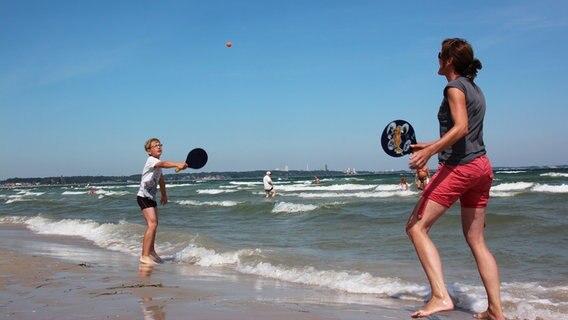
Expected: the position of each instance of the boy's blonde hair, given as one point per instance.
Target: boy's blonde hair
(148, 143)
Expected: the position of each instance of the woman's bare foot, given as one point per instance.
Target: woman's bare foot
(147, 260)
(156, 257)
(433, 306)
(482, 315)
(487, 315)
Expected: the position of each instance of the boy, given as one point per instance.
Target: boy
(146, 196)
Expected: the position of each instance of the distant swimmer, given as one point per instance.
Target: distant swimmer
(403, 184)
(268, 186)
(316, 180)
(422, 177)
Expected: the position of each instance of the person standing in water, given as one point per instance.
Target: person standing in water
(268, 186)
(464, 174)
(422, 177)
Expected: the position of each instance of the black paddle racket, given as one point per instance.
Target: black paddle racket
(196, 159)
(397, 137)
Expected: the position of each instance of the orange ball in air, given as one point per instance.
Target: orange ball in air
(229, 44)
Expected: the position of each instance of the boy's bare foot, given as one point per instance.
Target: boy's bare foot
(147, 260)
(433, 306)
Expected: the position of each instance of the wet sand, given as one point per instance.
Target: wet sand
(34, 286)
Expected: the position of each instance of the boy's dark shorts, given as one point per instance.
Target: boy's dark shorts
(145, 203)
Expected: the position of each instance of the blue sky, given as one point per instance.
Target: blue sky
(307, 83)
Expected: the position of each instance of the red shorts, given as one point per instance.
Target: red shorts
(470, 183)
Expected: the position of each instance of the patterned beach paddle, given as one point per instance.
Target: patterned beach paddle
(397, 137)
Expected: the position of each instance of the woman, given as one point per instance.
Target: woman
(464, 173)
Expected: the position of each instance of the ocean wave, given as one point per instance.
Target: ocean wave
(286, 207)
(363, 195)
(178, 185)
(13, 220)
(247, 261)
(246, 183)
(503, 194)
(512, 186)
(208, 203)
(22, 196)
(27, 193)
(16, 198)
(388, 187)
(210, 258)
(316, 187)
(555, 175)
(510, 171)
(107, 235)
(214, 191)
(531, 300)
(74, 193)
(550, 188)
(522, 300)
(363, 283)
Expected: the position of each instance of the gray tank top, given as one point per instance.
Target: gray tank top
(471, 146)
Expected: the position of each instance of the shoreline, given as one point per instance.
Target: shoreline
(39, 286)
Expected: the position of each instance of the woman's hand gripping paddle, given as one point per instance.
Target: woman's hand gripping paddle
(196, 159)
(397, 137)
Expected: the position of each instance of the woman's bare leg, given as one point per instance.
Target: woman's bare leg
(473, 225)
(417, 230)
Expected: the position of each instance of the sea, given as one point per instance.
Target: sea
(345, 234)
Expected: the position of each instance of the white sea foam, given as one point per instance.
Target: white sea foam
(12, 219)
(337, 280)
(108, 235)
(466, 296)
(511, 171)
(388, 187)
(178, 185)
(286, 207)
(523, 300)
(210, 258)
(208, 203)
(102, 192)
(214, 191)
(513, 186)
(555, 175)
(550, 188)
(23, 195)
(316, 187)
(502, 194)
(16, 198)
(532, 300)
(74, 193)
(27, 193)
(362, 195)
(246, 183)
(228, 187)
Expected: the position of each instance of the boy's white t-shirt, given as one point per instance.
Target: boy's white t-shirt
(150, 179)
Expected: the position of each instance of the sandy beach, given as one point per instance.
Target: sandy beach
(37, 286)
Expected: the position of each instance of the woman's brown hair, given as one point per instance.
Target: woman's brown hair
(462, 53)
